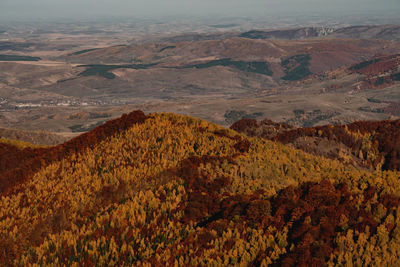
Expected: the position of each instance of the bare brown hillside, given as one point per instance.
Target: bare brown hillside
(33, 137)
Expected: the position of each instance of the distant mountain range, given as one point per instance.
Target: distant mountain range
(384, 32)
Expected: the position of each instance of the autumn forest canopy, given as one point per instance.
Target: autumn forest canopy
(164, 189)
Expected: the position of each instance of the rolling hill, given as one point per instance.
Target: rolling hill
(385, 32)
(303, 76)
(164, 189)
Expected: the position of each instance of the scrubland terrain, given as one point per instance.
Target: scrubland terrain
(305, 76)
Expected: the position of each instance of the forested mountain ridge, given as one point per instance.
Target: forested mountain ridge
(369, 144)
(163, 189)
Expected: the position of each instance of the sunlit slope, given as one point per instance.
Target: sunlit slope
(177, 190)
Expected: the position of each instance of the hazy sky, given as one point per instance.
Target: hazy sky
(16, 9)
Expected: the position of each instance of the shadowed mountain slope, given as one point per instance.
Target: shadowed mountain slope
(164, 189)
(33, 137)
(368, 144)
